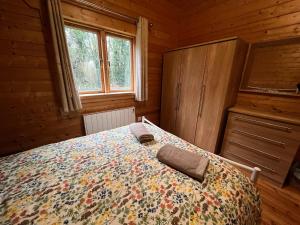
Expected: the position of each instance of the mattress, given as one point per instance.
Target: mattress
(110, 178)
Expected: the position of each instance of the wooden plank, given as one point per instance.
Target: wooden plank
(30, 104)
(193, 63)
(76, 13)
(17, 61)
(253, 20)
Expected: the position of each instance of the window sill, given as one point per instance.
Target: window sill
(103, 102)
(107, 95)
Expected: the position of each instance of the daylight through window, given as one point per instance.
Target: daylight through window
(101, 62)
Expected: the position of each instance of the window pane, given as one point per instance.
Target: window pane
(84, 55)
(119, 57)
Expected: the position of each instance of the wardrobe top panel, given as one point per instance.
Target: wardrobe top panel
(206, 43)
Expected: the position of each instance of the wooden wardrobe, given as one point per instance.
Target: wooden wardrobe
(199, 83)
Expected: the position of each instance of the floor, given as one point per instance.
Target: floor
(280, 206)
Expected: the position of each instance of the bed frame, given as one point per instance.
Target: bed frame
(255, 171)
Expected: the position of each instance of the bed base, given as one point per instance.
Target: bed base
(255, 171)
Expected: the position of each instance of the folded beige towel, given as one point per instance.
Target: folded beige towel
(141, 132)
(186, 162)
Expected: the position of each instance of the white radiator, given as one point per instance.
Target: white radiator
(97, 122)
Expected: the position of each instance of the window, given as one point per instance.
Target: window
(119, 61)
(101, 62)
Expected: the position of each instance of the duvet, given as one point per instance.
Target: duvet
(110, 178)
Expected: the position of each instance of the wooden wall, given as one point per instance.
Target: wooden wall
(29, 112)
(252, 20)
(162, 36)
(29, 107)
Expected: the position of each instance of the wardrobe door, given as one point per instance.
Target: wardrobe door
(217, 75)
(170, 86)
(192, 71)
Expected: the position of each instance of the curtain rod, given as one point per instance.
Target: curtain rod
(92, 6)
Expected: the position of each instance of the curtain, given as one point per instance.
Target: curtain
(141, 70)
(68, 93)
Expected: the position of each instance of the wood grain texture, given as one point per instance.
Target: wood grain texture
(205, 87)
(274, 66)
(277, 105)
(170, 90)
(253, 21)
(268, 144)
(162, 36)
(190, 83)
(221, 79)
(30, 110)
(280, 206)
(214, 93)
(95, 19)
(30, 113)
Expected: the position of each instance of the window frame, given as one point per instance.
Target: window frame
(87, 29)
(131, 62)
(103, 58)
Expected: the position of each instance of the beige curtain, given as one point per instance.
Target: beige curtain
(141, 70)
(68, 92)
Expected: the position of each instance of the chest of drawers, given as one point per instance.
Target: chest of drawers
(269, 144)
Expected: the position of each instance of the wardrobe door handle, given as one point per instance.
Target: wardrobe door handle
(178, 97)
(202, 100)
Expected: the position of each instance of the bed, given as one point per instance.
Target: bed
(110, 178)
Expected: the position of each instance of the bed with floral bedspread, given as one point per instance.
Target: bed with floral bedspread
(110, 178)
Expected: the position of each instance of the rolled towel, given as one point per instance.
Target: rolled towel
(141, 132)
(186, 162)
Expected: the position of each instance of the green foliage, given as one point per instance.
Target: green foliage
(119, 56)
(84, 55)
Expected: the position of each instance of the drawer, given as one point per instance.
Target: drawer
(273, 167)
(267, 128)
(267, 144)
(276, 178)
(263, 146)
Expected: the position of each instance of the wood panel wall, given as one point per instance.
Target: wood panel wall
(253, 21)
(29, 113)
(162, 36)
(29, 110)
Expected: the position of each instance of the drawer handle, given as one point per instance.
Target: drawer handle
(203, 89)
(258, 137)
(253, 163)
(264, 124)
(273, 157)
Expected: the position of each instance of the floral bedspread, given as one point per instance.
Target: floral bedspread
(110, 178)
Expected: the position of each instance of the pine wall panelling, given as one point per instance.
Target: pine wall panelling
(30, 114)
(29, 111)
(253, 21)
(29, 108)
(162, 36)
